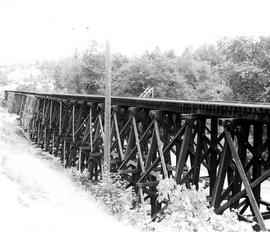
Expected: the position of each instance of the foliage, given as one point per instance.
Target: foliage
(245, 67)
(199, 72)
(3, 76)
(93, 69)
(114, 195)
(68, 75)
(248, 83)
(234, 69)
(117, 200)
(151, 70)
(188, 210)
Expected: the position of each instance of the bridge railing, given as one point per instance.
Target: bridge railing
(225, 144)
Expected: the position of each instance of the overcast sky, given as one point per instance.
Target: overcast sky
(43, 29)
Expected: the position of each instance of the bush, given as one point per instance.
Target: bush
(188, 210)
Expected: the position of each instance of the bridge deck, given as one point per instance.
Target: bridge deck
(251, 111)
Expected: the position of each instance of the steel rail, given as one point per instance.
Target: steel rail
(250, 111)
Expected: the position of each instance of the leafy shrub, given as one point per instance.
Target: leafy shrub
(114, 195)
(188, 210)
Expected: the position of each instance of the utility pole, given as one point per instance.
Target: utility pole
(107, 119)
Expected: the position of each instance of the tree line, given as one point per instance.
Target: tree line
(231, 69)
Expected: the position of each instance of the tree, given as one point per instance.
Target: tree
(208, 53)
(3, 76)
(68, 75)
(238, 50)
(246, 67)
(201, 72)
(93, 65)
(152, 69)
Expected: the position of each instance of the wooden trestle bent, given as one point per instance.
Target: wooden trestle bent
(226, 145)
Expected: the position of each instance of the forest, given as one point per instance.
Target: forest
(231, 69)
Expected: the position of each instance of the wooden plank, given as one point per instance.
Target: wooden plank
(147, 171)
(81, 125)
(132, 163)
(156, 175)
(129, 152)
(183, 153)
(101, 126)
(185, 179)
(151, 151)
(138, 145)
(160, 147)
(126, 171)
(174, 139)
(225, 193)
(223, 166)
(118, 137)
(148, 184)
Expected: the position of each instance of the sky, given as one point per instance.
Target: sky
(46, 29)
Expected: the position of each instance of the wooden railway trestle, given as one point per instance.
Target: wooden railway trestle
(226, 144)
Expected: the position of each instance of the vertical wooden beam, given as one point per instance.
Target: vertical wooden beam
(38, 133)
(73, 122)
(64, 153)
(80, 160)
(60, 119)
(50, 118)
(242, 153)
(213, 154)
(44, 138)
(53, 144)
(90, 129)
(257, 169)
(43, 111)
(199, 149)
(268, 145)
